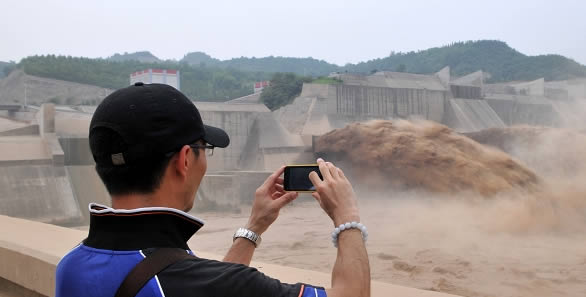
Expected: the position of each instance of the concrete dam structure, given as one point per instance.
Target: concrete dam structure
(46, 168)
(47, 172)
(34, 181)
(465, 104)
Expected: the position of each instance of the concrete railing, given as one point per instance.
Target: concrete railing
(30, 251)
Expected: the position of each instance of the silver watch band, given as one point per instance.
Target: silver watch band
(248, 234)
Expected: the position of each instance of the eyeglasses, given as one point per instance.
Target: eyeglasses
(210, 148)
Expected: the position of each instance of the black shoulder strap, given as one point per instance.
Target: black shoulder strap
(150, 266)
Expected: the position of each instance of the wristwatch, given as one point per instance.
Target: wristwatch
(248, 234)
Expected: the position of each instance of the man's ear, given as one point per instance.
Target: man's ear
(182, 162)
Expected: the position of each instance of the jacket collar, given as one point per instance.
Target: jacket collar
(140, 228)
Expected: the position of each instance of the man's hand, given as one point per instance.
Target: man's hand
(269, 198)
(351, 273)
(268, 201)
(335, 194)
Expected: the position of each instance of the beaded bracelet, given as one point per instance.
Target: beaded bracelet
(347, 226)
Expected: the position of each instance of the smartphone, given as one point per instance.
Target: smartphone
(297, 178)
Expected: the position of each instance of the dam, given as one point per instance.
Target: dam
(47, 177)
(45, 151)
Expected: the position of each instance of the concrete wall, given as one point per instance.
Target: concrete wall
(378, 102)
(467, 115)
(30, 252)
(21, 116)
(468, 92)
(46, 118)
(28, 130)
(238, 125)
(532, 88)
(77, 151)
(38, 192)
(87, 187)
(294, 115)
(577, 89)
(516, 112)
(228, 190)
(39, 90)
(218, 192)
(318, 90)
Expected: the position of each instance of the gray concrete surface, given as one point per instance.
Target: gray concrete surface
(39, 90)
(38, 192)
(465, 115)
(520, 109)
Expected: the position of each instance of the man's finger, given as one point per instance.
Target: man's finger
(314, 178)
(286, 199)
(273, 177)
(316, 196)
(323, 168)
(280, 180)
(333, 170)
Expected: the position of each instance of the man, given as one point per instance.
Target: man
(149, 145)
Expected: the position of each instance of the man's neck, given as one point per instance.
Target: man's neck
(132, 201)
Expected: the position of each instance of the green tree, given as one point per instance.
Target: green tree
(283, 89)
(6, 68)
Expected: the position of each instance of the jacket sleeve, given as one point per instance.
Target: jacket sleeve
(209, 278)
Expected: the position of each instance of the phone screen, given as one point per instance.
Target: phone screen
(297, 178)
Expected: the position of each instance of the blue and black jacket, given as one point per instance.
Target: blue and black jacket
(120, 239)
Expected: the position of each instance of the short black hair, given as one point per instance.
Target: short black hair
(142, 177)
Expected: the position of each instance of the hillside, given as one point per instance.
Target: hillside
(40, 90)
(200, 59)
(206, 78)
(199, 83)
(301, 66)
(495, 57)
(5, 67)
(144, 57)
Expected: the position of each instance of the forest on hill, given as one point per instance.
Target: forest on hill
(495, 57)
(300, 66)
(198, 83)
(208, 79)
(144, 57)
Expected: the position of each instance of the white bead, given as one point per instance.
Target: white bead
(346, 226)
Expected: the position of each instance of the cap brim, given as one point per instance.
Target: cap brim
(216, 136)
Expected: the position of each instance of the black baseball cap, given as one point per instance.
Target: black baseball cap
(152, 120)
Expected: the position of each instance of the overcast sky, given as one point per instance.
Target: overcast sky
(336, 31)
